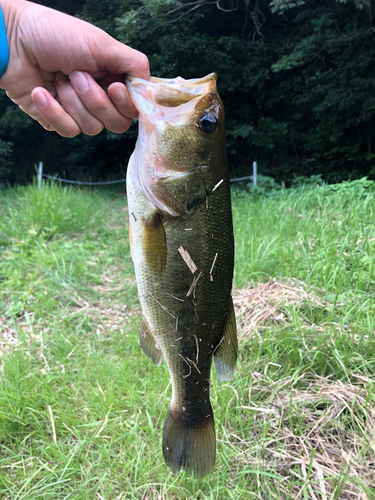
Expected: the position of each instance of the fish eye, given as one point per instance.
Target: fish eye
(207, 123)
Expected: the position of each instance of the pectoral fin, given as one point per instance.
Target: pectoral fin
(148, 344)
(225, 355)
(182, 194)
(154, 244)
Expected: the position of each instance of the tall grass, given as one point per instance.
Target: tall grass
(322, 236)
(82, 409)
(50, 209)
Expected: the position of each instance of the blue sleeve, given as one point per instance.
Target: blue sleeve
(4, 50)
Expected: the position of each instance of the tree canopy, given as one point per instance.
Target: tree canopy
(297, 80)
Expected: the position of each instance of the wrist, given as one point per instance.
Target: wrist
(11, 13)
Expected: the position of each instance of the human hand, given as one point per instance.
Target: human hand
(66, 73)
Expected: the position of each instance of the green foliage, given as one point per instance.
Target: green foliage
(296, 79)
(304, 181)
(266, 186)
(5, 150)
(291, 100)
(280, 6)
(103, 13)
(359, 188)
(331, 80)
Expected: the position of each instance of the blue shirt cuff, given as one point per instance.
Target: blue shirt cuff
(4, 50)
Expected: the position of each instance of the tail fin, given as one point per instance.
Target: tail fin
(189, 445)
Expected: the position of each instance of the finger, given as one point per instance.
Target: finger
(49, 112)
(47, 126)
(73, 105)
(119, 95)
(121, 59)
(97, 102)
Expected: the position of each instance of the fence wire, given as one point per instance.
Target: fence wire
(84, 183)
(52, 177)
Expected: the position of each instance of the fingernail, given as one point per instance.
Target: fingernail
(79, 81)
(39, 98)
(118, 94)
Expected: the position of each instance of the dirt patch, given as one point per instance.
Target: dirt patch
(315, 442)
(8, 336)
(108, 310)
(265, 303)
(320, 440)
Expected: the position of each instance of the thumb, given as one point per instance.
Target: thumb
(119, 59)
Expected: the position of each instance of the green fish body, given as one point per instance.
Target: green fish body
(183, 252)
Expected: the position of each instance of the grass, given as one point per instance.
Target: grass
(82, 409)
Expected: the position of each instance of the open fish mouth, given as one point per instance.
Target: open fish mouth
(158, 98)
(171, 92)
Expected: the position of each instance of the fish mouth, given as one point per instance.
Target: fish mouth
(159, 98)
(171, 92)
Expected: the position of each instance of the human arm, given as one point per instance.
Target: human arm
(68, 74)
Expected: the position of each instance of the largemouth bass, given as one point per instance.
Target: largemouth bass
(182, 246)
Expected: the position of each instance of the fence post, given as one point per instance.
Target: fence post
(255, 172)
(40, 173)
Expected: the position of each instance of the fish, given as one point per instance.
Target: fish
(182, 247)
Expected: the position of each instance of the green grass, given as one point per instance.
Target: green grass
(322, 237)
(82, 409)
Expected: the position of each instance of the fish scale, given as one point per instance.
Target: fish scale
(184, 264)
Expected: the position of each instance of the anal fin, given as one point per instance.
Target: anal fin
(225, 355)
(148, 344)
